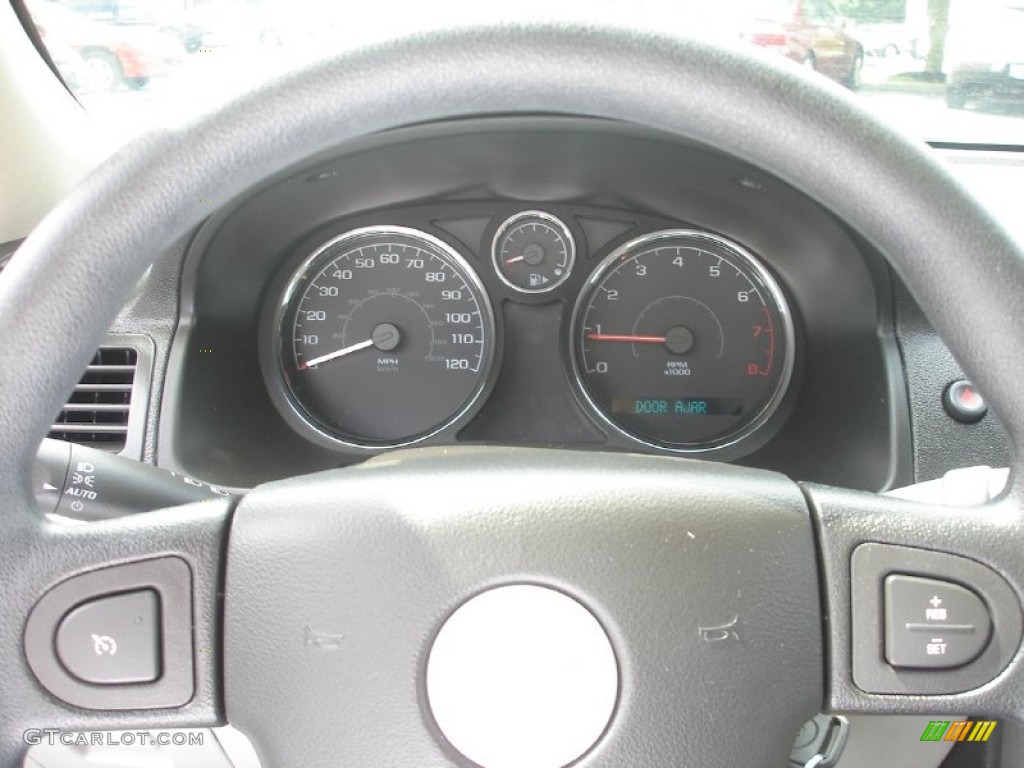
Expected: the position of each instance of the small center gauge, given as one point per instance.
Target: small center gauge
(533, 251)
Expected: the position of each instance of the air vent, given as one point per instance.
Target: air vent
(97, 412)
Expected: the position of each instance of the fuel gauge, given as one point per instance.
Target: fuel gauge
(533, 251)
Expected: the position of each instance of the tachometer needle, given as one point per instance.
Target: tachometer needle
(339, 353)
(627, 337)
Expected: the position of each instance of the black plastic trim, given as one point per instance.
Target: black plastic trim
(870, 564)
(171, 578)
(7, 250)
(846, 393)
(939, 443)
(32, 32)
(976, 147)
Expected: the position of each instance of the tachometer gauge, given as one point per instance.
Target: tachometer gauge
(682, 340)
(385, 337)
(533, 252)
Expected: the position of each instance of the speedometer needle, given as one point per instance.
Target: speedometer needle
(339, 353)
(627, 337)
(385, 337)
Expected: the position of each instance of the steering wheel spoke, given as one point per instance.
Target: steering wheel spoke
(924, 603)
(121, 626)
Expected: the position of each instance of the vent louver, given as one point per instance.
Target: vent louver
(96, 414)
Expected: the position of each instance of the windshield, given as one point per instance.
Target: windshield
(944, 70)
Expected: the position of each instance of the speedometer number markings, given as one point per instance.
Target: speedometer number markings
(391, 337)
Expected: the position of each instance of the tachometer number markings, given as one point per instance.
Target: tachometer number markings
(663, 341)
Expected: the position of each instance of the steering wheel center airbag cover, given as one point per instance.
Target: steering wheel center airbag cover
(703, 577)
(522, 675)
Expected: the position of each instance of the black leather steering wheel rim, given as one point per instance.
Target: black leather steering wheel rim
(70, 277)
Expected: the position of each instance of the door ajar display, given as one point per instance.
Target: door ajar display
(385, 336)
(682, 340)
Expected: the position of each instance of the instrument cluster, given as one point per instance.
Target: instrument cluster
(381, 335)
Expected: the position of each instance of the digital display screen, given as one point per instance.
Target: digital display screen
(677, 406)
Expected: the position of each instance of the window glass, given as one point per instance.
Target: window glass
(947, 70)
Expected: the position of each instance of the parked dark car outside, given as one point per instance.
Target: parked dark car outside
(983, 54)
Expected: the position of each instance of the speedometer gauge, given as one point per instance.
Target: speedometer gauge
(682, 340)
(385, 337)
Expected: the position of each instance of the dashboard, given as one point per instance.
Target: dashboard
(533, 281)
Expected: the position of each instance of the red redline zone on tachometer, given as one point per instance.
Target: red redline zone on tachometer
(663, 347)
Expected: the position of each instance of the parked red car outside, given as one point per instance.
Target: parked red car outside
(113, 54)
(811, 32)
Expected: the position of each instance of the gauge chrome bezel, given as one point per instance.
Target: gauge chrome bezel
(288, 403)
(759, 270)
(547, 218)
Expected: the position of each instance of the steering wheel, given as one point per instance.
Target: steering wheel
(732, 603)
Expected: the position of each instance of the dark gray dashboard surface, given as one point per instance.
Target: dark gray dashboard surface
(940, 443)
(843, 422)
(931, 444)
